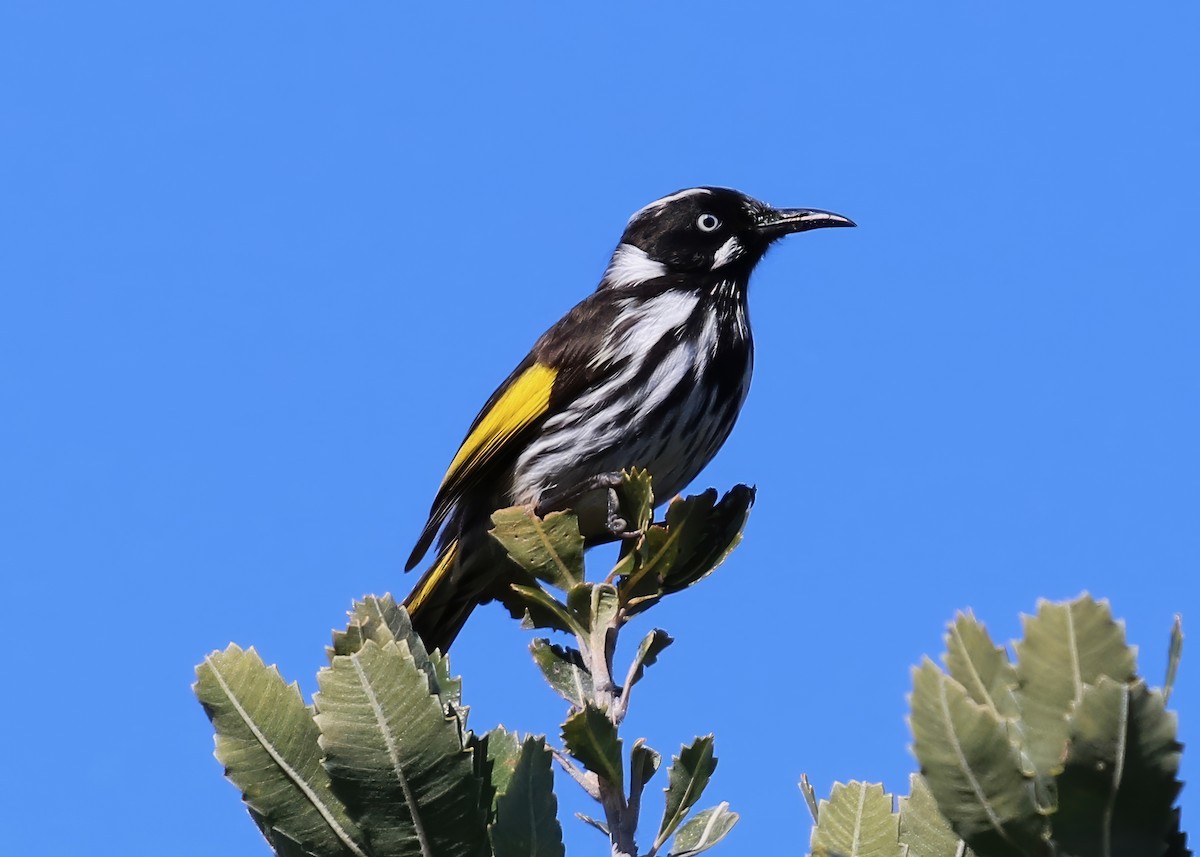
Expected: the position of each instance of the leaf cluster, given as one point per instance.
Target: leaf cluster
(1065, 751)
(656, 560)
(382, 762)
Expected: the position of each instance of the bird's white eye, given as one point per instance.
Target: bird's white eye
(708, 223)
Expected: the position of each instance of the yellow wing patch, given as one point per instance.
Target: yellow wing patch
(526, 399)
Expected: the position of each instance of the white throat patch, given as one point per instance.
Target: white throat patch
(728, 252)
(630, 265)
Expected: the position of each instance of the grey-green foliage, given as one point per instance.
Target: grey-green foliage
(658, 560)
(382, 763)
(1065, 752)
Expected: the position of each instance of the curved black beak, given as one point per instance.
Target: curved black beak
(777, 222)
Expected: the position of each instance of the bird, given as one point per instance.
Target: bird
(650, 371)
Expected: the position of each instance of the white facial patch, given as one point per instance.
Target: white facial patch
(630, 265)
(659, 204)
(728, 252)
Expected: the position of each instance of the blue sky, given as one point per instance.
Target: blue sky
(261, 265)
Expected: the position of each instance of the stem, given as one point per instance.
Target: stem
(619, 813)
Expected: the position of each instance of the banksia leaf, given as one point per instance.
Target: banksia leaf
(972, 770)
(856, 821)
(643, 763)
(267, 741)
(923, 830)
(980, 666)
(703, 830)
(383, 620)
(1118, 784)
(526, 822)
(592, 739)
(698, 534)
(720, 533)
(592, 606)
(550, 548)
(564, 670)
(687, 777)
(647, 654)
(636, 497)
(1066, 647)
(543, 610)
(499, 750)
(396, 759)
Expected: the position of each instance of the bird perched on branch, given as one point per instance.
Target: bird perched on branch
(648, 371)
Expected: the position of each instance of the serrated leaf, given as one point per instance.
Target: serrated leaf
(703, 830)
(381, 619)
(564, 670)
(592, 739)
(643, 763)
(980, 666)
(922, 828)
(279, 842)
(687, 777)
(699, 534)
(647, 654)
(396, 759)
(499, 749)
(526, 822)
(856, 821)
(543, 610)
(972, 770)
(1118, 783)
(267, 741)
(1066, 647)
(721, 533)
(550, 548)
(635, 496)
(1176, 838)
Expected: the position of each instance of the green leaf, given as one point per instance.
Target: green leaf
(699, 533)
(564, 670)
(396, 759)
(687, 777)
(647, 654)
(980, 666)
(857, 821)
(499, 749)
(1066, 647)
(381, 619)
(550, 548)
(542, 610)
(721, 532)
(1118, 783)
(1174, 652)
(643, 763)
(267, 741)
(922, 828)
(635, 496)
(526, 822)
(592, 739)
(605, 605)
(971, 768)
(704, 830)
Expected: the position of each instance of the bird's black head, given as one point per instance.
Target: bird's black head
(705, 229)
